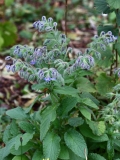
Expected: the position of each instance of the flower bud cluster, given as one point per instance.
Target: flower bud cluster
(45, 24)
(49, 75)
(48, 63)
(84, 61)
(103, 40)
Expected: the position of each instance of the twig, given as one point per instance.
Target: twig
(66, 7)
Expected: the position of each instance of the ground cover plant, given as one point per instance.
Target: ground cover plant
(78, 118)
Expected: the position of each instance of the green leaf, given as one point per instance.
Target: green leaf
(17, 113)
(75, 121)
(26, 137)
(117, 45)
(89, 102)
(47, 116)
(26, 126)
(37, 155)
(6, 134)
(106, 57)
(90, 96)
(9, 35)
(114, 4)
(4, 152)
(98, 128)
(107, 28)
(94, 156)
(51, 146)
(104, 84)
(73, 156)
(102, 6)
(85, 112)
(64, 154)
(23, 157)
(1, 41)
(75, 141)
(110, 149)
(66, 105)
(14, 130)
(67, 90)
(24, 148)
(8, 2)
(87, 132)
(84, 85)
(38, 87)
(26, 34)
(118, 17)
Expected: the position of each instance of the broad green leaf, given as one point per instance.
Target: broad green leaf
(14, 130)
(94, 156)
(117, 45)
(1, 41)
(87, 132)
(73, 156)
(102, 6)
(8, 2)
(104, 84)
(17, 113)
(75, 141)
(66, 105)
(38, 87)
(26, 126)
(118, 17)
(107, 28)
(37, 155)
(84, 85)
(26, 34)
(51, 146)
(64, 154)
(9, 35)
(75, 121)
(85, 112)
(6, 134)
(24, 148)
(101, 127)
(88, 102)
(17, 141)
(4, 152)
(106, 57)
(23, 157)
(117, 143)
(114, 4)
(110, 149)
(26, 137)
(67, 90)
(90, 96)
(47, 116)
(98, 128)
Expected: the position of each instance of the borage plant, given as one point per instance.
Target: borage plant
(71, 122)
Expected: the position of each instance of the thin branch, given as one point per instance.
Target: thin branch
(66, 7)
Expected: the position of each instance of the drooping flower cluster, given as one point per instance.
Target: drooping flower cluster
(84, 61)
(45, 24)
(103, 40)
(51, 61)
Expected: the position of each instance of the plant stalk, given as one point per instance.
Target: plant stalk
(66, 8)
